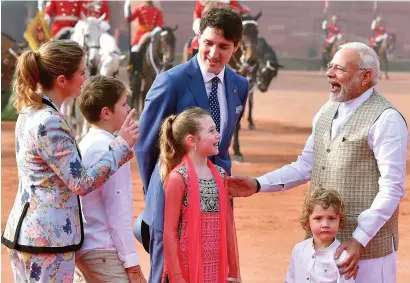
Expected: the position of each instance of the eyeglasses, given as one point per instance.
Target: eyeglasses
(340, 69)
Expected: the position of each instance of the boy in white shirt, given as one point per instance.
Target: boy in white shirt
(108, 253)
(313, 261)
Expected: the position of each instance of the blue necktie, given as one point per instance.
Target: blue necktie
(214, 104)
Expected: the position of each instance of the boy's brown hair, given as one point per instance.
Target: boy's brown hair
(326, 198)
(98, 92)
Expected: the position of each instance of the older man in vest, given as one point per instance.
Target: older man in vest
(358, 146)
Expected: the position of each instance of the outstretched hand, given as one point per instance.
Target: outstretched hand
(241, 186)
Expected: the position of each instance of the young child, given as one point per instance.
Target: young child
(199, 232)
(323, 214)
(108, 252)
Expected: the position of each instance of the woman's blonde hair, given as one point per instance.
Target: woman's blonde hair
(174, 129)
(54, 58)
(326, 198)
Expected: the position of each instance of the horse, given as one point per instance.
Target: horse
(102, 56)
(385, 51)
(268, 65)
(328, 52)
(10, 52)
(158, 54)
(245, 62)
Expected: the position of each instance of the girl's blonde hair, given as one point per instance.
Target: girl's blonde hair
(174, 129)
(54, 58)
(326, 198)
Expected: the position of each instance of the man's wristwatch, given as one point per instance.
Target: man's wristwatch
(231, 279)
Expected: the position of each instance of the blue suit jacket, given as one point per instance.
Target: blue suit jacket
(172, 92)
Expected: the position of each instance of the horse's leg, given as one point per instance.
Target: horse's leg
(250, 107)
(185, 53)
(135, 82)
(236, 150)
(322, 61)
(148, 81)
(386, 67)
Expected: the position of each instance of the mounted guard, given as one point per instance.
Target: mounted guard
(332, 32)
(150, 19)
(62, 15)
(379, 33)
(333, 35)
(96, 9)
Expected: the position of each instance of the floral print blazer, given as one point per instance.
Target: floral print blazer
(46, 215)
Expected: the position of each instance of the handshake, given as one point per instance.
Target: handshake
(242, 186)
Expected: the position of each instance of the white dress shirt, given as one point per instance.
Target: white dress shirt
(388, 139)
(107, 212)
(221, 91)
(311, 266)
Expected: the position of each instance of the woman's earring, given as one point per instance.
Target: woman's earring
(195, 146)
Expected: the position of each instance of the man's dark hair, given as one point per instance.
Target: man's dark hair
(225, 20)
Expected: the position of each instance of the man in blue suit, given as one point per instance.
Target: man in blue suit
(205, 81)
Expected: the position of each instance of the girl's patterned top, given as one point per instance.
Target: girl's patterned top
(210, 226)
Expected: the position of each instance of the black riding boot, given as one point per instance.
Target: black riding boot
(376, 47)
(135, 62)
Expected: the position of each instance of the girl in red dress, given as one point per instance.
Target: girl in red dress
(199, 231)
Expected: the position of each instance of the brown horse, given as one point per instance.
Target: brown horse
(328, 52)
(10, 51)
(158, 56)
(385, 51)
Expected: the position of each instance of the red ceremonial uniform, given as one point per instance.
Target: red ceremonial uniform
(63, 13)
(332, 30)
(149, 17)
(202, 7)
(96, 9)
(199, 7)
(378, 31)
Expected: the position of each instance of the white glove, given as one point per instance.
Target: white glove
(127, 6)
(373, 26)
(195, 26)
(155, 30)
(324, 25)
(40, 4)
(47, 19)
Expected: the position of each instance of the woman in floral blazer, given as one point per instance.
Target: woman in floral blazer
(45, 227)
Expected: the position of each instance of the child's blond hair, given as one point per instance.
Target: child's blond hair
(326, 198)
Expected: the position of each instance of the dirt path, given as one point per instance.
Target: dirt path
(267, 224)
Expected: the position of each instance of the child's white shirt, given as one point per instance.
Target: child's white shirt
(310, 266)
(107, 212)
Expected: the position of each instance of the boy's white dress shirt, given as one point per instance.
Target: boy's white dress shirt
(107, 212)
(310, 266)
